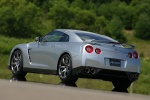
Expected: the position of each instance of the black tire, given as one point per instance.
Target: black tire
(16, 64)
(65, 69)
(121, 84)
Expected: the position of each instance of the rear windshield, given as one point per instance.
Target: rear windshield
(94, 36)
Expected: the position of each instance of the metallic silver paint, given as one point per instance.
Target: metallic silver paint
(45, 55)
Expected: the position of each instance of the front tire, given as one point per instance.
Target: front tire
(16, 64)
(65, 69)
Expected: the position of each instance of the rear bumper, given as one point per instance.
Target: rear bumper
(104, 74)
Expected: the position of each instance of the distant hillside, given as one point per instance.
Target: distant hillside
(29, 18)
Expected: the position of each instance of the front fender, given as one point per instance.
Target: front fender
(24, 50)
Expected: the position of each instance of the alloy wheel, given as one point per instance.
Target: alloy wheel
(16, 62)
(64, 66)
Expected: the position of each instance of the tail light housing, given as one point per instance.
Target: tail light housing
(89, 49)
(130, 55)
(135, 55)
(98, 51)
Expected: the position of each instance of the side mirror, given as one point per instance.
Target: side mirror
(37, 39)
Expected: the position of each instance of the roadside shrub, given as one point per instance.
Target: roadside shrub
(142, 27)
(114, 29)
(83, 19)
(60, 15)
(139, 7)
(19, 19)
(100, 24)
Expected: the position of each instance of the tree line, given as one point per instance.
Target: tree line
(30, 18)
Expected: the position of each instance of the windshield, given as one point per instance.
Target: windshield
(95, 37)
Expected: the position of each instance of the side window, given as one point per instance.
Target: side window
(64, 38)
(55, 36)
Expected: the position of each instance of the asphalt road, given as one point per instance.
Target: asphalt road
(38, 91)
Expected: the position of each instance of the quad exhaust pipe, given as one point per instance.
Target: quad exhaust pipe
(132, 76)
(93, 71)
(89, 70)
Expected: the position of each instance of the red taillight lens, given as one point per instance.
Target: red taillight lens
(135, 55)
(98, 51)
(89, 49)
(130, 55)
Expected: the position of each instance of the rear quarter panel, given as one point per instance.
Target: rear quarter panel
(75, 50)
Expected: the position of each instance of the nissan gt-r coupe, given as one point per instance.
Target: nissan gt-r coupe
(73, 54)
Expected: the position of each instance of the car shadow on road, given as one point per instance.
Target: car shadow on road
(17, 78)
(62, 84)
(120, 90)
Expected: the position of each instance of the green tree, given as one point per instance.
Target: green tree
(114, 29)
(117, 8)
(60, 14)
(83, 19)
(142, 27)
(125, 12)
(139, 7)
(100, 24)
(19, 19)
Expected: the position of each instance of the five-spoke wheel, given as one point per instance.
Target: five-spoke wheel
(16, 64)
(65, 69)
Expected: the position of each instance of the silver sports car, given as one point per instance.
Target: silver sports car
(73, 54)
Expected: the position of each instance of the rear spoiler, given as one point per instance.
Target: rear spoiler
(97, 42)
(125, 45)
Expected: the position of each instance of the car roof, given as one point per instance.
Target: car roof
(71, 31)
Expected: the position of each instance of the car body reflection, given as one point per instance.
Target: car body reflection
(120, 90)
(67, 84)
(17, 78)
(61, 84)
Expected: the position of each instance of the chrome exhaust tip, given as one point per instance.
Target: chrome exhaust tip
(87, 70)
(132, 77)
(93, 71)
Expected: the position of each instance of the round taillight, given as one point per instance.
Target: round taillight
(130, 55)
(98, 51)
(135, 55)
(89, 49)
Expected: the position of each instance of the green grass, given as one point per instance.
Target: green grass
(4, 72)
(141, 86)
(7, 43)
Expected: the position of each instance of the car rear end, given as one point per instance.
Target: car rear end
(109, 61)
(105, 59)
